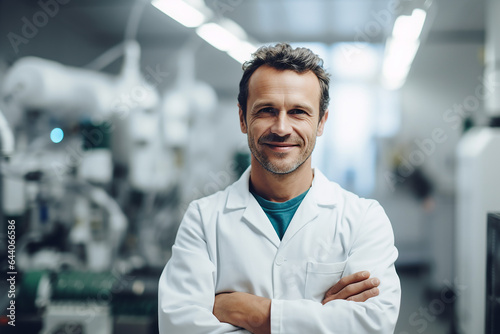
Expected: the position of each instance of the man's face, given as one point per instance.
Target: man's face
(282, 119)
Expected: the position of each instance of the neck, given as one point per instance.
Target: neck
(280, 187)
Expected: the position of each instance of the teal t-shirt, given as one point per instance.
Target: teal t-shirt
(280, 214)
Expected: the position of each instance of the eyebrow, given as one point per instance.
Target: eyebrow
(263, 104)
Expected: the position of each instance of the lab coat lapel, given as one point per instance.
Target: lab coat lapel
(323, 193)
(239, 197)
(307, 212)
(255, 216)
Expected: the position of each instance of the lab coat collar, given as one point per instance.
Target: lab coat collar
(239, 197)
(239, 192)
(322, 193)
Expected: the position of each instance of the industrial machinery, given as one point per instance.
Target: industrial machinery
(58, 184)
(70, 301)
(90, 170)
(90, 167)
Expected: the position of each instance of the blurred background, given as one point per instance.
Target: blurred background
(115, 114)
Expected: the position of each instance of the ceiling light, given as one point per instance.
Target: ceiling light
(409, 27)
(398, 58)
(217, 36)
(181, 11)
(226, 35)
(401, 48)
(242, 52)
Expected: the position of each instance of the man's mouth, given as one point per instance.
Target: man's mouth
(280, 146)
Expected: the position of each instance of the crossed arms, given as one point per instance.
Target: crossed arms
(253, 312)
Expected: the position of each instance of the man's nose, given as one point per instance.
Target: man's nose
(281, 124)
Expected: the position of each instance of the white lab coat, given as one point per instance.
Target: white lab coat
(226, 243)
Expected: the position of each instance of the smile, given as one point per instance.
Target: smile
(281, 147)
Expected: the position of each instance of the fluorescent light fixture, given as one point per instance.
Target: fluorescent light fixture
(227, 36)
(401, 48)
(230, 38)
(242, 52)
(399, 55)
(218, 36)
(181, 11)
(409, 27)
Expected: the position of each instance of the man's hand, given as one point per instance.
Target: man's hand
(357, 287)
(253, 312)
(244, 310)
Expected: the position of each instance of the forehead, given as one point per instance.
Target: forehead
(268, 81)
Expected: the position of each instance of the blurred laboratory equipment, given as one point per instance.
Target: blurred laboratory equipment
(478, 190)
(91, 168)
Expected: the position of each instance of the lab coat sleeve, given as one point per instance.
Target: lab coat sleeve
(186, 287)
(373, 250)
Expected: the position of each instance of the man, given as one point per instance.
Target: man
(282, 250)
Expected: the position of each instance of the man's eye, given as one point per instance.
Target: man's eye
(297, 111)
(266, 110)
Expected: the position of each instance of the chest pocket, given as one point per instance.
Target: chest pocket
(320, 277)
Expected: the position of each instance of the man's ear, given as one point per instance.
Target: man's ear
(243, 122)
(321, 125)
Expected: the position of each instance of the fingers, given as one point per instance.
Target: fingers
(356, 288)
(345, 281)
(361, 297)
(356, 291)
(364, 296)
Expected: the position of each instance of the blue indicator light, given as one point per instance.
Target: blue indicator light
(56, 135)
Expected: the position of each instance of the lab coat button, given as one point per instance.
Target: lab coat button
(280, 260)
